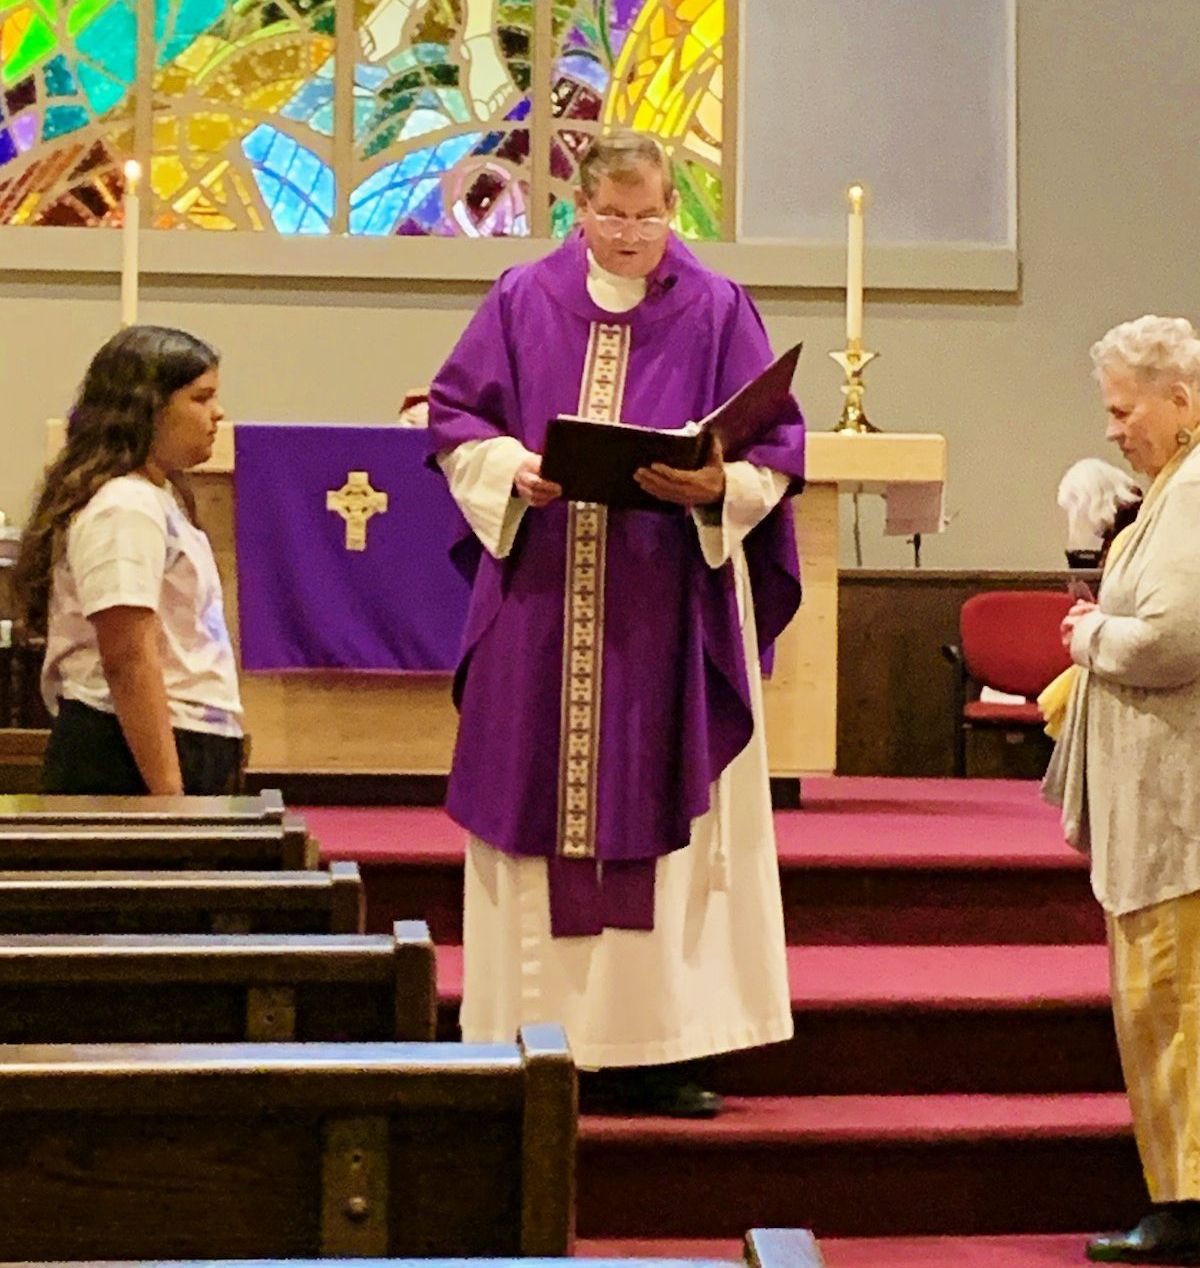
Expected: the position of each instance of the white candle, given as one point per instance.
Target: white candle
(129, 245)
(854, 265)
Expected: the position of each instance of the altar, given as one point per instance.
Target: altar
(340, 723)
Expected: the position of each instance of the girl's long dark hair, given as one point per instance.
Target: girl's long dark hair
(109, 434)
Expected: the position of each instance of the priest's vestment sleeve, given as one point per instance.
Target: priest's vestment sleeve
(751, 493)
(481, 474)
(474, 395)
(743, 353)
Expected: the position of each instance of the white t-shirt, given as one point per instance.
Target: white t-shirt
(133, 546)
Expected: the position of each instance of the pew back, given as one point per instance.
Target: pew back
(128, 844)
(90, 833)
(182, 902)
(285, 1151)
(152, 988)
(34, 810)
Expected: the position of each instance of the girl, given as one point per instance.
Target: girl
(139, 672)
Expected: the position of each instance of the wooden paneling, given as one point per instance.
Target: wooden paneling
(896, 691)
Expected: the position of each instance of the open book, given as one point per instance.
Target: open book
(595, 461)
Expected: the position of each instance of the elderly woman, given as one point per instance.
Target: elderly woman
(1125, 770)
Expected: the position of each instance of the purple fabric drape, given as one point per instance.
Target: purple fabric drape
(307, 602)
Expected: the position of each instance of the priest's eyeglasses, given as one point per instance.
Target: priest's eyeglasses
(648, 228)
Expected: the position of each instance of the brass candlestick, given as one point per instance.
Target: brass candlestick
(853, 360)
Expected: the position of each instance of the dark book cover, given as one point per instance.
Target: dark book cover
(595, 461)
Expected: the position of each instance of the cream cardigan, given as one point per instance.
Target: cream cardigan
(1126, 769)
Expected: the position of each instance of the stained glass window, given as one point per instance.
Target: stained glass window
(243, 115)
(65, 123)
(651, 65)
(441, 132)
(243, 111)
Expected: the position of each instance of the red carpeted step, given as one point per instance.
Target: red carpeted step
(1052, 1251)
(941, 869)
(867, 861)
(920, 1019)
(864, 1167)
(830, 1120)
(928, 861)
(1062, 1250)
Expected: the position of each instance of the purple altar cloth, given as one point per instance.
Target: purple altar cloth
(305, 601)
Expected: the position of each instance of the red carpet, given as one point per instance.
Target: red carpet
(894, 1119)
(867, 861)
(953, 1058)
(893, 1252)
(845, 821)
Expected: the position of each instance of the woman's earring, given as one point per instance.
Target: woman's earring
(1183, 437)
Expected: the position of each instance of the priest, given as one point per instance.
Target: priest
(611, 765)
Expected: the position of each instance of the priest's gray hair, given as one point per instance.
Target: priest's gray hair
(1159, 350)
(620, 155)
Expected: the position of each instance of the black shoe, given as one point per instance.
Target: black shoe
(1163, 1237)
(657, 1090)
(690, 1100)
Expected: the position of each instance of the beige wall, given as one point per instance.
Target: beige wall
(1109, 193)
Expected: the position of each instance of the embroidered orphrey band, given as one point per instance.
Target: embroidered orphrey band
(600, 395)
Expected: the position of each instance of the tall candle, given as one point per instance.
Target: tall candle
(854, 265)
(129, 245)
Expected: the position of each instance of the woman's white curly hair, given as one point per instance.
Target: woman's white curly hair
(1159, 350)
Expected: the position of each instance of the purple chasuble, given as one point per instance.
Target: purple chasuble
(674, 707)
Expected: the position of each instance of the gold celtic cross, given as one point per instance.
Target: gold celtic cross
(356, 502)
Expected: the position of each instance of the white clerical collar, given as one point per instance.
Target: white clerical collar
(611, 291)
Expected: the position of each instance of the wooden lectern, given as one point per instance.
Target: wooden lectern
(328, 723)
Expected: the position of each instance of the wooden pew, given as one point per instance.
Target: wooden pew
(287, 1150)
(21, 753)
(763, 1248)
(247, 812)
(127, 843)
(250, 833)
(182, 902)
(218, 988)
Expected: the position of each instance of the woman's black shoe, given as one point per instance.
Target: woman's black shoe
(1165, 1236)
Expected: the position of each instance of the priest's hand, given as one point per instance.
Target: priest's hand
(1072, 619)
(529, 485)
(686, 488)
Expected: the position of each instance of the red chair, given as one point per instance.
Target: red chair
(1010, 642)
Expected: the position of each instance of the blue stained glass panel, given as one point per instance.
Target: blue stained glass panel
(405, 188)
(296, 186)
(187, 19)
(109, 45)
(61, 120)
